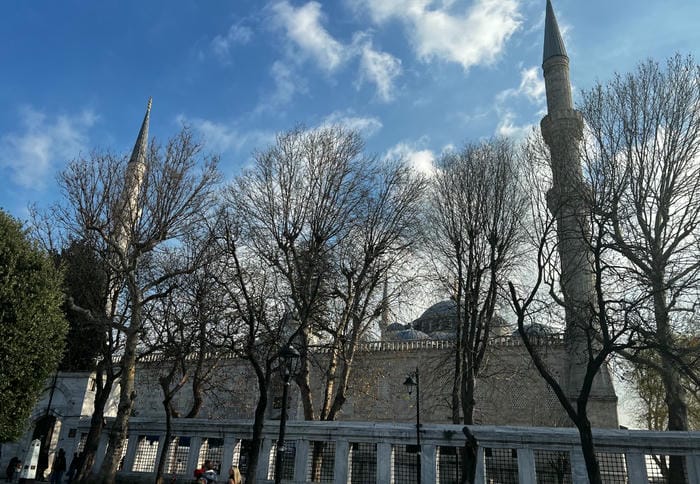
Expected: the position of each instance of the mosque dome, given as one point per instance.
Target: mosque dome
(440, 321)
(441, 316)
(393, 327)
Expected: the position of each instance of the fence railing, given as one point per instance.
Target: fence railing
(365, 453)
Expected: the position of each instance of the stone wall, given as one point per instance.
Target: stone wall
(509, 391)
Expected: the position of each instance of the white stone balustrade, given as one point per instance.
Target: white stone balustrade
(513, 451)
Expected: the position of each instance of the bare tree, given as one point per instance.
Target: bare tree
(257, 319)
(326, 226)
(133, 211)
(644, 143)
(475, 230)
(179, 342)
(608, 328)
(299, 203)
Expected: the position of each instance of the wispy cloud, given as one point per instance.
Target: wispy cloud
(287, 83)
(530, 89)
(379, 68)
(226, 137)
(367, 126)
(237, 34)
(471, 37)
(30, 154)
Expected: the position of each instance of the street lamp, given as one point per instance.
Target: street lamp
(413, 380)
(288, 365)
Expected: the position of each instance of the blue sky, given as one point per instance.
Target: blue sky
(415, 76)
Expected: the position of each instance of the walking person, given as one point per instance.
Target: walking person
(59, 467)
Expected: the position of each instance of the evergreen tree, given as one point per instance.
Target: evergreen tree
(32, 326)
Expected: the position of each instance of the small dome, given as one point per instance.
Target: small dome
(408, 334)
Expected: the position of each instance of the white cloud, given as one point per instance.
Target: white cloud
(507, 127)
(532, 89)
(303, 26)
(367, 126)
(222, 137)
(472, 37)
(237, 34)
(29, 155)
(380, 68)
(422, 160)
(531, 86)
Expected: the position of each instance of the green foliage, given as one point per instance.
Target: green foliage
(86, 284)
(32, 326)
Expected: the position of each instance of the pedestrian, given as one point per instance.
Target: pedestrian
(73, 467)
(59, 467)
(11, 467)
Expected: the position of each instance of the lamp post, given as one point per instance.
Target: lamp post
(413, 380)
(288, 365)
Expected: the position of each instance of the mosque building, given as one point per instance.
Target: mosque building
(509, 389)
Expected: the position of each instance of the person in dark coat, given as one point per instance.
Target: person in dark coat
(11, 468)
(73, 467)
(59, 467)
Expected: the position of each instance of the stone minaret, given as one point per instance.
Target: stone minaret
(562, 129)
(128, 211)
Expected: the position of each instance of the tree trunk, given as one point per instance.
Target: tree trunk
(673, 389)
(457, 380)
(588, 449)
(127, 395)
(167, 406)
(87, 460)
(468, 401)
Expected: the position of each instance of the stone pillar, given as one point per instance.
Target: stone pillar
(227, 454)
(636, 468)
(340, 466)
(480, 474)
(131, 452)
(427, 464)
(384, 470)
(264, 460)
(526, 466)
(692, 463)
(579, 475)
(193, 455)
(161, 448)
(301, 457)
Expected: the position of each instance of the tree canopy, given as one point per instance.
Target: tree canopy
(32, 326)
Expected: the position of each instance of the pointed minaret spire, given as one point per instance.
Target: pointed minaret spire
(555, 64)
(553, 43)
(138, 155)
(128, 211)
